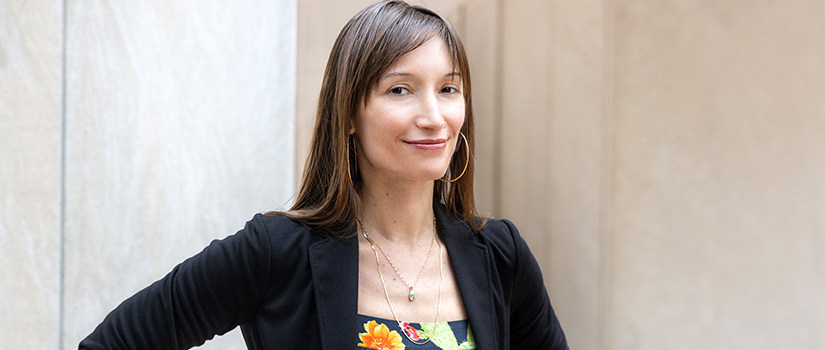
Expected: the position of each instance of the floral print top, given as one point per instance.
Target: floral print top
(381, 333)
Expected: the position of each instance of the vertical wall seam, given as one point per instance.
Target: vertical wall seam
(62, 242)
(549, 121)
(298, 158)
(498, 109)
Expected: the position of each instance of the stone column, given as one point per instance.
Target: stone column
(132, 135)
(31, 35)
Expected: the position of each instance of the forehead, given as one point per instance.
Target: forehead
(432, 55)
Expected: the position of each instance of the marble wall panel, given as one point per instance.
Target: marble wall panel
(718, 199)
(180, 126)
(30, 153)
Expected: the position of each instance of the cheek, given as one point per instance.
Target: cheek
(376, 128)
(454, 114)
(385, 122)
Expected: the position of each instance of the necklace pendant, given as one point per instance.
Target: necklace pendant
(412, 294)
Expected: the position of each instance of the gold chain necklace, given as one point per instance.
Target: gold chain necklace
(384, 285)
(411, 295)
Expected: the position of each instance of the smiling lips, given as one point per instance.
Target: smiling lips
(428, 144)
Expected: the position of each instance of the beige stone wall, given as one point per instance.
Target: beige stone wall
(152, 129)
(679, 202)
(551, 145)
(717, 176)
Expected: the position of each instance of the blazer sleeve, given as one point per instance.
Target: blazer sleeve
(533, 323)
(208, 294)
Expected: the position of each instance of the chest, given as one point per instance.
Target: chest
(332, 294)
(385, 287)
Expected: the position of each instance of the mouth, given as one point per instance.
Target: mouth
(428, 144)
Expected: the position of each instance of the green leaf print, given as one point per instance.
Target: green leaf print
(442, 336)
(470, 343)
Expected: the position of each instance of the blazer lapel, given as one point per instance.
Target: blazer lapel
(334, 264)
(471, 266)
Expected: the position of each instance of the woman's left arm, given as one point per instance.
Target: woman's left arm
(533, 323)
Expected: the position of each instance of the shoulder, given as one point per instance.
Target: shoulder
(279, 244)
(276, 223)
(280, 228)
(502, 236)
(510, 250)
(274, 237)
(261, 238)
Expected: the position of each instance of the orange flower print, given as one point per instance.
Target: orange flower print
(379, 336)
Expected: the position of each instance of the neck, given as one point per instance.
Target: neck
(402, 214)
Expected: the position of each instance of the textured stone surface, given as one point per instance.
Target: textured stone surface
(573, 256)
(551, 150)
(719, 200)
(30, 129)
(180, 126)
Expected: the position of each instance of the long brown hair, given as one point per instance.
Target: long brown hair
(368, 45)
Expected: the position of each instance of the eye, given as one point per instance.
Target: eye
(449, 89)
(399, 90)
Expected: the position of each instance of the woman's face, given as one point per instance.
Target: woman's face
(408, 125)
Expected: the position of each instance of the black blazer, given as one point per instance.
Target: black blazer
(290, 287)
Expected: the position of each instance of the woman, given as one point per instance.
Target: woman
(383, 248)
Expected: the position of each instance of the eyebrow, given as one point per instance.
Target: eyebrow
(403, 74)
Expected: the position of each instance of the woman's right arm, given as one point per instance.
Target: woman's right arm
(208, 294)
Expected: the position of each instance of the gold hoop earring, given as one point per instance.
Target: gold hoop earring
(350, 148)
(467, 151)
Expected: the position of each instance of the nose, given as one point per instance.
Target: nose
(430, 115)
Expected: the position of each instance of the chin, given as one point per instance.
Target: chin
(431, 175)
